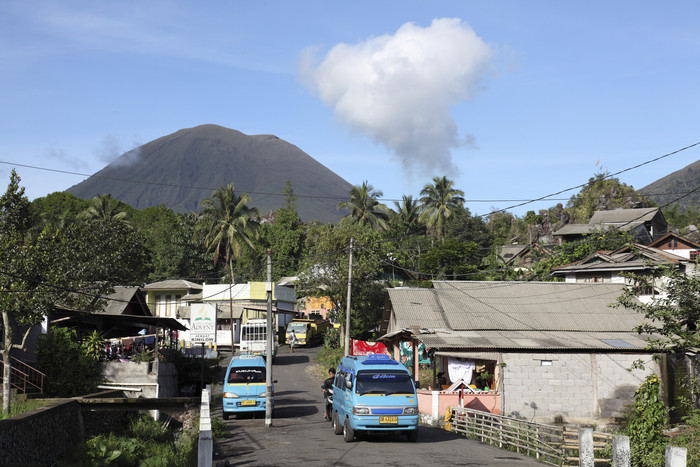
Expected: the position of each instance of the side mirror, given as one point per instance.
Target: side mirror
(417, 384)
(348, 384)
(274, 381)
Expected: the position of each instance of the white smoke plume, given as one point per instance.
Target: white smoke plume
(110, 151)
(398, 89)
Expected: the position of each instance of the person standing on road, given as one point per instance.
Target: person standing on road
(292, 341)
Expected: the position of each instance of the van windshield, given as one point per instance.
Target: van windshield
(384, 382)
(241, 375)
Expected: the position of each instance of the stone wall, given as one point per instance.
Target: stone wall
(46, 434)
(583, 389)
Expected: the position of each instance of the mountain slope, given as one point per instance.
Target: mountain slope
(182, 168)
(673, 186)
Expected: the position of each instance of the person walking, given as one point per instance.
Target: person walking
(292, 341)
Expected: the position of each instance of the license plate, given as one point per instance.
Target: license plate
(392, 420)
(253, 403)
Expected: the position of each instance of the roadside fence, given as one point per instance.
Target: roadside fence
(554, 445)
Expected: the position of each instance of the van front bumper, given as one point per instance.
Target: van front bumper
(381, 423)
(238, 405)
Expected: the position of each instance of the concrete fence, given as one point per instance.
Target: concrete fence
(206, 441)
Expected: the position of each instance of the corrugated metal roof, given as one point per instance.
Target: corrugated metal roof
(623, 215)
(533, 340)
(417, 306)
(512, 306)
(173, 284)
(118, 302)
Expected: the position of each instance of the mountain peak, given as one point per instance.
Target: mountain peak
(181, 169)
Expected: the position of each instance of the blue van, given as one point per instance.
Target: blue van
(245, 385)
(374, 393)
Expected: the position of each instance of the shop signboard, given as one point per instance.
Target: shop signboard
(203, 324)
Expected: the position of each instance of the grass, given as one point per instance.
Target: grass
(20, 405)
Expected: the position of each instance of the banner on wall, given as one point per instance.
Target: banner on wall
(365, 348)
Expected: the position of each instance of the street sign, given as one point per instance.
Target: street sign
(203, 324)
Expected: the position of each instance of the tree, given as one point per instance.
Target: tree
(365, 209)
(105, 208)
(226, 223)
(57, 209)
(451, 260)
(324, 272)
(603, 194)
(170, 239)
(285, 237)
(75, 267)
(438, 202)
(407, 216)
(289, 198)
(672, 316)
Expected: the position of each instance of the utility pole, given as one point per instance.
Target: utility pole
(347, 309)
(230, 305)
(268, 358)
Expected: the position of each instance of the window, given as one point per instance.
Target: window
(694, 254)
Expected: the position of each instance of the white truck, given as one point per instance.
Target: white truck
(254, 338)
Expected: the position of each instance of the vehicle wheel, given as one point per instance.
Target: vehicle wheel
(337, 427)
(225, 416)
(412, 435)
(348, 432)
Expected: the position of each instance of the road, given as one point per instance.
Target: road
(300, 436)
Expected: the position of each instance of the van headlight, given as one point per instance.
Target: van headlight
(230, 395)
(360, 410)
(410, 411)
(264, 394)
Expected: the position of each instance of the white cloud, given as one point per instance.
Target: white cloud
(398, 89)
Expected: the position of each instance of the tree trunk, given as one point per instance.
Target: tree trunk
(6, 364)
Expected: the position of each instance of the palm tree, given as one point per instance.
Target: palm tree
(364, 207)
(438, 202)
(104, 208)
(226, 223)
(407, 213)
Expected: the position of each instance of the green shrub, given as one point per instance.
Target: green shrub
(645, 423)
(69, 371)
(330, 357)
(147, 442)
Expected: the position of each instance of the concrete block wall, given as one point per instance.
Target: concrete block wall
(149, 379)
(585, 389)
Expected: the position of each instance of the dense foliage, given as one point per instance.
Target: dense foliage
(146, 442)
(645, 424)
(70, 369)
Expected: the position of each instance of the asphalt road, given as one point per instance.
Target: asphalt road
(300, 436)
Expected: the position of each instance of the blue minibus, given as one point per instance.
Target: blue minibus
(245, 385)
(371, 394)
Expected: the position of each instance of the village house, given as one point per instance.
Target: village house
(549, 352)
(645, 224)
(235, 304)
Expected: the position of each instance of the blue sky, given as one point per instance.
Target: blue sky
(513, 100)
